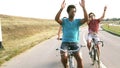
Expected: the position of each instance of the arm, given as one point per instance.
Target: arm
(82, 4)
(57, 17)
(103, 13)
(59, 32)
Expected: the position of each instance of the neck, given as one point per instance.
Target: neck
(91, 19)
(71, 18)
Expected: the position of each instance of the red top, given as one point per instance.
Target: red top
(93, 25)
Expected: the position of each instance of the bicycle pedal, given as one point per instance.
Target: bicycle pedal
(93, 63)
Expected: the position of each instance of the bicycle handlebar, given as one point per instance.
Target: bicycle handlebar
(59, 39)
(102, 43)
(69, 51)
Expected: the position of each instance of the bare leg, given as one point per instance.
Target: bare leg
(64, 59)
(88, 44)
(98, 49)
(79, 60)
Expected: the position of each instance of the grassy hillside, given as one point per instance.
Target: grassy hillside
(20, 34)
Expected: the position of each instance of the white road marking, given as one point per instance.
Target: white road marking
(102, 65)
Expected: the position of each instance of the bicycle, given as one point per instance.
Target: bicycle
(95, 53)
(70, 54)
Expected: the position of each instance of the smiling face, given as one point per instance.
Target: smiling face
(71, 11)
(91, 15)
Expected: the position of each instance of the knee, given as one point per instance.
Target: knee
(78, 57)
(88, 42)
(63, 58)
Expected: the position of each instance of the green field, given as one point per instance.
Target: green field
(114, 29)
(20, 34)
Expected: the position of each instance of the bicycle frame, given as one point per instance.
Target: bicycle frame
(95, 53)
(70, 56)
(71, 60)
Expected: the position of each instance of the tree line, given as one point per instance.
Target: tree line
(112, 19)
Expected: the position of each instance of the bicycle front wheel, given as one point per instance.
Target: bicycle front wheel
(71, 62)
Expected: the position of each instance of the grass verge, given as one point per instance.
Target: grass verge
(20, 34)
(113, 29)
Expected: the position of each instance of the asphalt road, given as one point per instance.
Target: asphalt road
(44, 55)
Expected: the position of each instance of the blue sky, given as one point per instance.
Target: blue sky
(48, 8)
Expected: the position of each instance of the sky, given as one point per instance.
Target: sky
(47, 9)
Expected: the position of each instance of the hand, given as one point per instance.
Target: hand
(105, 8)
(63, 5)
(58, 38)
(82, 4)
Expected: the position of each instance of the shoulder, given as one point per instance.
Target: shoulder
(78, 21)
(64, 20)
(98, 20)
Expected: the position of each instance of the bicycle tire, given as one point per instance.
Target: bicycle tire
(95, 51)
(93, 55)
(71, 62)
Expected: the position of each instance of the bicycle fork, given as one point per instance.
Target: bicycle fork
(71, 61)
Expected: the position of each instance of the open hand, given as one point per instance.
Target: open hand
(63, 4)
(82, 4)
(105, 8)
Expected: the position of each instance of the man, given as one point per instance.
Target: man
(93, 26)
(70, 29)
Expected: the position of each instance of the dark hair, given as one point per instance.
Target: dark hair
(69, 8)
(91, 13)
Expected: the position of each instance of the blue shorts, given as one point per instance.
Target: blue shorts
(69, 46)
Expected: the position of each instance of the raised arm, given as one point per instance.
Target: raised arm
(103, 15)
(57, 17)
(82, 4)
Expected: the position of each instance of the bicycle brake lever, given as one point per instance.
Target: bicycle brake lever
(57, 49)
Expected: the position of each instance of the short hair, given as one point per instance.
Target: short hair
(69, 8)
(91, 13)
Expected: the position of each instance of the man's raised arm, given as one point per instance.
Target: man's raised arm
(82, 4)
(103, 13)
(57, 17)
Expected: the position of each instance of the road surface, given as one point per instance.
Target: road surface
(44, 55)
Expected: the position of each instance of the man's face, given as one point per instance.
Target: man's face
(72, 12)
(92, 16)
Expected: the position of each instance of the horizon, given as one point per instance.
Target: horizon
(45, 18)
